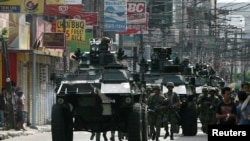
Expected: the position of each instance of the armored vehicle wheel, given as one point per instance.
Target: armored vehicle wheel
(144, 123)
(61, 124)
(189, 119)
(135, 123)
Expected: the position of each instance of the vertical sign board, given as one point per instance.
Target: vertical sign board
(55, 40)
(115, 17)
(137, 18)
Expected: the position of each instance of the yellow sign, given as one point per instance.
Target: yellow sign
(74, 29)
(32, 6)
(22, 6)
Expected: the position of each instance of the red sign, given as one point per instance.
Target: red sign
(137, 28)
(73, 11)
(136, 7)
(91, 18)
(60, 10)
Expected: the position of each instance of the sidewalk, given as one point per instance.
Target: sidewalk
(6, 134)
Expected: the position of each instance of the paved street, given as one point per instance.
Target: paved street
(43, 134)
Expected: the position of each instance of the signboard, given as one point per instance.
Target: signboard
(59, 10)
(74, 29)
(54, 40)
(137, 28)
(73, 11)
(91, 18)
(22, 6)
(137, 18)
(115, 17)
(56, 2)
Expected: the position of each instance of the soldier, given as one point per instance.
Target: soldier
(148, 93)
(171, 110)
(214, 102)
(203, 104)
(98, 136)
(155, 112)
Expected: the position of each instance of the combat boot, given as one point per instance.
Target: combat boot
(157, 138)
(166, 135)
(172, 136)
(153, 136)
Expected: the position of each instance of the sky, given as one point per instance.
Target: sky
(230, 1)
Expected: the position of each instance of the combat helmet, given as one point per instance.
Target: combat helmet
(170, 84)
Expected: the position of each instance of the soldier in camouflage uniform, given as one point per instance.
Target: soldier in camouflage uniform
(203, 103)
(155, 112)
(212, 109)
(171, 111)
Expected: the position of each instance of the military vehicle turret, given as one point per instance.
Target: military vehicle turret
(99, 95)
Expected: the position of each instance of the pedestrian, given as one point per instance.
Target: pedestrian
(20, 109)
(155, 112)
(203, 104)
(171, 111)
(240, 118)
(226, 109)
(2, 106)
(245, 86)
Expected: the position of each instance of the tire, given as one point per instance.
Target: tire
(61, 124)
(189, 119)
(135, 123)
(144, 123)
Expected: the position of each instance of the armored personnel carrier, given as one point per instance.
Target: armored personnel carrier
(162, 69)
(99, 95)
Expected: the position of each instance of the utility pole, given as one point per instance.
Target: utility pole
(65, 49)
(182, 29)
(34, 71)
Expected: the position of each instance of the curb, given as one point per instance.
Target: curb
(7, 134)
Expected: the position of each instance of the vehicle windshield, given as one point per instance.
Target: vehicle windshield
(199, 81)
(94, 74)
(177, 80)
(111, 76)
(151, 78)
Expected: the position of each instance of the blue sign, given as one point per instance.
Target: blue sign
(115, 15)
(10, 8)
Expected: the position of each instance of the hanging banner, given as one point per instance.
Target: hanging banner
(115, 17)
(58, 2)
(22, 6)
(74, 30)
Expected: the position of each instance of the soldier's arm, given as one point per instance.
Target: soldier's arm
(176, 103)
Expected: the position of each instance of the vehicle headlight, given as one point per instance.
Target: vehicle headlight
(60, 100)
(128, 100)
